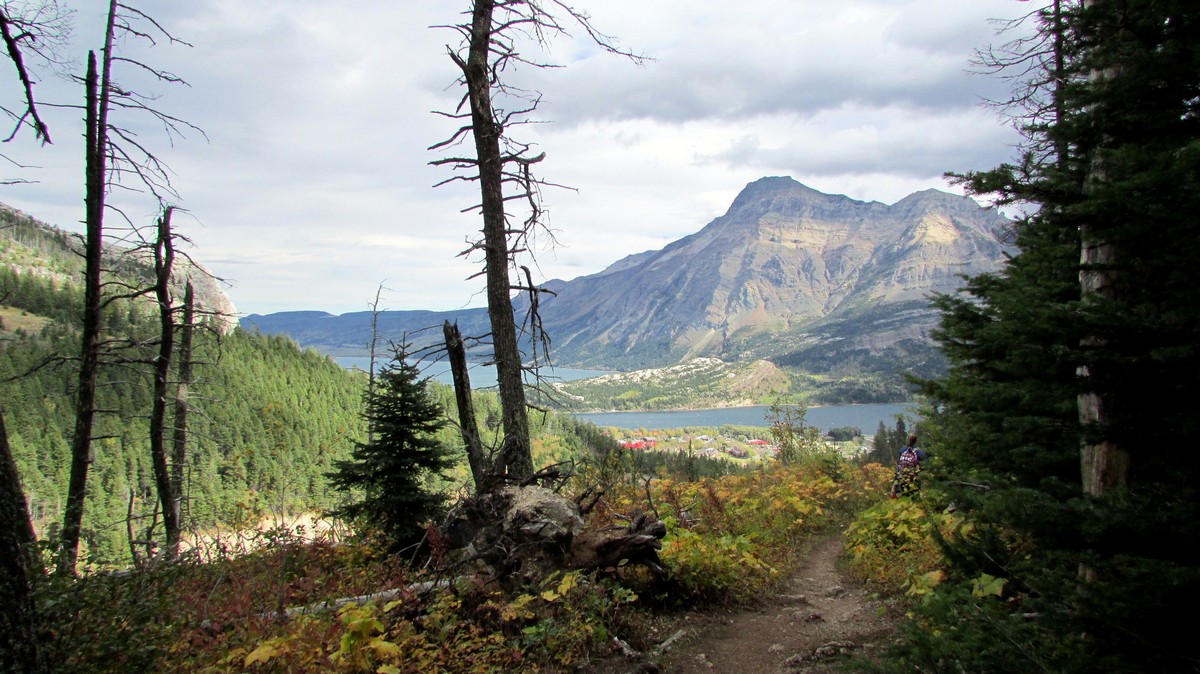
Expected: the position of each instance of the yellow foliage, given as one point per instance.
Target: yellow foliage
(891, 546)
(988, 586)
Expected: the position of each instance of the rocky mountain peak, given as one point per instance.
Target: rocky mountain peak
(783, 255)
(787, 274)
(782, 194)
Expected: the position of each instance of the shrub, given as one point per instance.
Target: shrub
(892, 546)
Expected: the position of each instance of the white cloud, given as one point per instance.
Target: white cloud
(314, 185)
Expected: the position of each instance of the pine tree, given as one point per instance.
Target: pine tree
(1102, 304)
(387, 475)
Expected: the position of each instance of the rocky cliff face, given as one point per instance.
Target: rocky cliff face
(783, 258)
(57, 254)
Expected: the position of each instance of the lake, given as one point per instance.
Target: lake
(482, 376)
(864, 417)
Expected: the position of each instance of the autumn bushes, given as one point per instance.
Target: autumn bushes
(892, 546)
(194, 616)
(730, 539)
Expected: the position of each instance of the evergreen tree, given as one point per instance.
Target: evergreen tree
(1103, 304)
(388, 474)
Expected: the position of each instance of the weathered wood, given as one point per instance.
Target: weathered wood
(606, 549)
(522, 534)
(467, 425)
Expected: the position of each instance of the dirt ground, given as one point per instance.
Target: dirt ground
(820, 620)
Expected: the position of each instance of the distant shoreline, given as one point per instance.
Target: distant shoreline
(864, 416)
(740, 407)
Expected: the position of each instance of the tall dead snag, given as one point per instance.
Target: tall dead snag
(373, 347)
(502, 168)
(468, 427)
(96, 122)
(515, 457)
(517, 530)
(18, 560)
(164, 261)
(179, 440)
(113, 154)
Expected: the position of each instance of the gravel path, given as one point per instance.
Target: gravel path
(821, 618)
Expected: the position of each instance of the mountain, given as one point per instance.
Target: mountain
(810, 281)
(785, 261)
(30, 246)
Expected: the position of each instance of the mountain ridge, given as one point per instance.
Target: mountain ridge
(45, 250)
(782, 255)
(815, 282)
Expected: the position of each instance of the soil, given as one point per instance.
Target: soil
(820, 620)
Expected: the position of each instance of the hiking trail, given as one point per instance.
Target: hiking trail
(819, 619)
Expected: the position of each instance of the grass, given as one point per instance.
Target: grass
(12, 320)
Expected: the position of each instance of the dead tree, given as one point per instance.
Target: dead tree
(89, 359)
(179, 440)
(114, 156)
(467, 425)
(373, 347)
(515, 529)
(503, 169)
(164, 262)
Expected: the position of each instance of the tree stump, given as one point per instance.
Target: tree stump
(521, 534)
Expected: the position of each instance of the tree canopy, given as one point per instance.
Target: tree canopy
(1064, 416)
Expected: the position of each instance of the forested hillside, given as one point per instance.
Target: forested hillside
(269, 421)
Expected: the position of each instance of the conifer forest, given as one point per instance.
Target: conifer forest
(179, 494)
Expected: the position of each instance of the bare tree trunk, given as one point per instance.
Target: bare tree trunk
(515, 460)
(89, 358)
(18, 560)
(371, 365)
(1104, 464)
(488, 47)
(129, 534)
(106, 162)
(179, 441)
(164, 260)
(467, 425)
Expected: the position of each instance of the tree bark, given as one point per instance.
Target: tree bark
(18, 560)
(466, 408)
(1104, 465)
(515, 460)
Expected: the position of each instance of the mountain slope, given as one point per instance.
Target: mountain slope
(810, 281)
(783, 260)
(30, 246)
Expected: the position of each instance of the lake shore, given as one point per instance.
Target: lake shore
(866, 417)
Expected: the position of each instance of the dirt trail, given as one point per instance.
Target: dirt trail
(821, 618)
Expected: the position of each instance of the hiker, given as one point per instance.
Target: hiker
(908, 465)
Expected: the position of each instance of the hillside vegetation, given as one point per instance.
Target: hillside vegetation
(270, 420)
(701, 382)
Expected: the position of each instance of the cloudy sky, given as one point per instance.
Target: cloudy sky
(313, 185)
